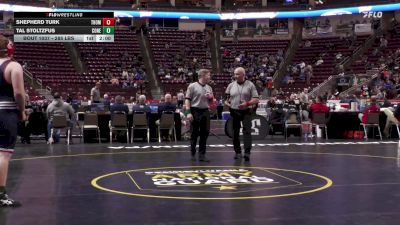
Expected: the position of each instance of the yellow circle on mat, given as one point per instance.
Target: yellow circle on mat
(328, 183)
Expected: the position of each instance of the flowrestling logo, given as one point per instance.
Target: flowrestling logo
(374, 15)
(211, 182)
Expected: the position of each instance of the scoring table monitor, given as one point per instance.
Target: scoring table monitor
(64, 26)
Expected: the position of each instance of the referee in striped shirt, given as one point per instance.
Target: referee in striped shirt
(198, 96)
(241, 96)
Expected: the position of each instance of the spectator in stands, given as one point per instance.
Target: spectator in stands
(274, 92)
(95, 93)
(308, 72)
(119, 105)
(380, 95)
(383, 43)
(339, 56)
(59, 107)
(307, 44)
(319, 61)
(107, 73)
(269, 87)
(125, 84)
(114, 82)
(25, 65)
(124, 74)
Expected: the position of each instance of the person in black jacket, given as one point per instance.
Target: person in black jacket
(167, 105)
(141, 105)
(119, 105)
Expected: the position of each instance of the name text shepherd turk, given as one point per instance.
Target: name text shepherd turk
(65, 15)
(29, 22)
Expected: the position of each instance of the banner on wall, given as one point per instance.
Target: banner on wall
(282, 31)
(324, 30)
(363, 28)
(320, 31)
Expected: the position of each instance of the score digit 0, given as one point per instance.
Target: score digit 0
(108, 21)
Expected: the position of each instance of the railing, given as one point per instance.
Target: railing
(323, 86)
(356, 53)
(288, 55)
(361, 49)
(356, 86)
(375, 74)
(36, 83)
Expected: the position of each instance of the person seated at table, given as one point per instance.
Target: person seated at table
(167, 105)
(372, 108)
(391, 118)
(106, 101)
(318, 107)
(59, 107)
(141, 105)
(119, 105)
(386, 103)
(164, 107)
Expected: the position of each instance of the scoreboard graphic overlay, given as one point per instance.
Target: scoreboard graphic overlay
(64, 26)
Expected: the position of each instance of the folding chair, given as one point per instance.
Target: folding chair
(167, 122)
(60, 122)
(291, 123)
(119, 122)
(372, 121)
(398, 130)
(321, 119)
(277, 122)
(90, 122)
(139, 122)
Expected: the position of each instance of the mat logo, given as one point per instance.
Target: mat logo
(205, 177)
(211, 182)
(208, 179)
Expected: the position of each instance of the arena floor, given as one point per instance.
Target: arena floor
(335, 182)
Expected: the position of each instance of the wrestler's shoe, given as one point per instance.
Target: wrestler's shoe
(6, 201)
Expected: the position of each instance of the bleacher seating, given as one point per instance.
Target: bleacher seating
(124, 52)
(187, 44)
(372, 60)
(51, 63)
(250, 47)
(309, 55)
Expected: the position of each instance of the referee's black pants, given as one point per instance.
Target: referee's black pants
(200, 127)
(241, 116)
